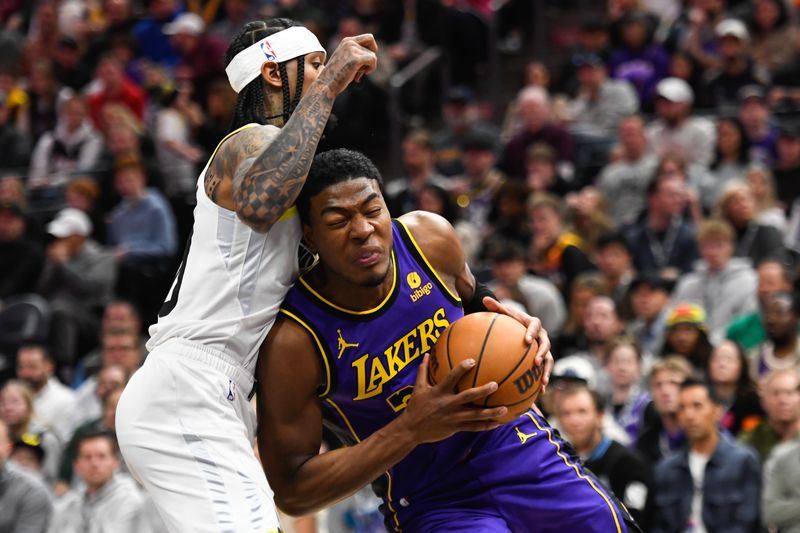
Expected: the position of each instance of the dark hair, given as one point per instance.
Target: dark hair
(597, 399)
(251, 101)
(743, 157)
(449, 207)
(783, 19)
(38, 347)
(610, 238)
(698, 357)
(692, 381)
(330, 168)
(97, 434)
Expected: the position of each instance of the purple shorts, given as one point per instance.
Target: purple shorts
(519, 479)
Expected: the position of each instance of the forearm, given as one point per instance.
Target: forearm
(332, 476)
(267, 184)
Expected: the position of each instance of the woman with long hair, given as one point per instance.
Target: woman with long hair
(729, 376)
(731, 160)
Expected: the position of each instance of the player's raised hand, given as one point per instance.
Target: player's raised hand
(535, 331)
(352, 59)
(436, 412)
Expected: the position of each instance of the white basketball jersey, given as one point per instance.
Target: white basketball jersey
(231, 281)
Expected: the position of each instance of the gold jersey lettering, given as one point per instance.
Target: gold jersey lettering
(373, 372)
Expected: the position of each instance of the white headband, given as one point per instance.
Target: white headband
(279, 47)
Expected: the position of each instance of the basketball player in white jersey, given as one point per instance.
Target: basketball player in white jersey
(184, 423)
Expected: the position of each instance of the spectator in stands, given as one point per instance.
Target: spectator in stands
(16, 412)
(781, 492)
(462, 122)
(639, 60)
(714, 484)
(776, 41)
(237, 14)
(21, 258)
(106, 422)
(754, 241)
(534, 108)
(748, 328)
(615, 263)
(731, 161)
(77, 280)
(71, 149)
(115, 88)
(200, 54)
(648, 296)
(768, 211)
(781, 348)
(724, 285)
(106, 501)
(601, 102)
(787, 169)
(509, 217)
(676, 129)
(687, 336)
(593, 38)
(729, 376)
(142, 231)
(29, 454)
(585, 287)
(780, 398)
(601, 323)
(628, 400)
(624, 181)
(152, 43)
(419, 164)
(554, 253)
(735, 69)
(69, 66)
(762, 135)
(25, 504)
(16, 148)
(662, 240)
(538, 296)
(118, 20)
(120, 347)
(541, 171)
(660, 435)
(580, 413)
(53, 403)
(477, 187)
(83, 194)
(684, 66)
(40, 113)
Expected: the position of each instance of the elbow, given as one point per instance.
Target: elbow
(293, 504)
(251, 216)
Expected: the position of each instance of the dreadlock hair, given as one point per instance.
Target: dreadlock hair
(250, 102)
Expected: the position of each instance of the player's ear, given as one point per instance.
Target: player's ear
(271, 74)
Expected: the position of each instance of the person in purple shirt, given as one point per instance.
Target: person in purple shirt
(349, 351)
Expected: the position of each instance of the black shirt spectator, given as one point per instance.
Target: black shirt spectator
(21, 259)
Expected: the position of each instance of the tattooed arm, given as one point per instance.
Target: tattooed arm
(261, 170)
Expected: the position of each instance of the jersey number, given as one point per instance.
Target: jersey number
(169, 304)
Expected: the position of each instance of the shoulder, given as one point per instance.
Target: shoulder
(249, 138)
(436, 239)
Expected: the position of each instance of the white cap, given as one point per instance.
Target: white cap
(70, 221)
(675, 90)
(575, 367)
(188, 23)
(732, 28)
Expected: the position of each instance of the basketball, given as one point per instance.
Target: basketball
(497, 344)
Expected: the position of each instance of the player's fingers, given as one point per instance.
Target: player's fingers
(449, 382)
(549, 362)
(543, 339)
(367, 40)
(486, 425)
(474, 414)
(422, 373)
(532, 324)
(476, 393)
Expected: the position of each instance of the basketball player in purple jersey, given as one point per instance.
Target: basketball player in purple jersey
(349, 351)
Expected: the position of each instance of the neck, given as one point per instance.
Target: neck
(726, 390)
(633, 154)
(786, 430)
(349, 295)
(658, 221)
(93, 489)
(706, 445)
(590, 446)
(620, 392)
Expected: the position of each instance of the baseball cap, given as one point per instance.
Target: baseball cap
(732, 28)
(189, 23)
(575, 368)
(675, 90)
(685, 313)
(70, 221)
(751, 91)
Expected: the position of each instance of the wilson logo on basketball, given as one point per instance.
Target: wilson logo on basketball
(421, 292)
(528, 379)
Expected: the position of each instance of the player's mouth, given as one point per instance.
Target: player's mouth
(368, 256)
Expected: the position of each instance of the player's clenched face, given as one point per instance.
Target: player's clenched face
(351, 230)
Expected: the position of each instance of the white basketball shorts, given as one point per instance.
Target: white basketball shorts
(185, 429)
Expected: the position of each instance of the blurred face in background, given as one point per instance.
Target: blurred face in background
(725, 365)
(632, 137)
(716, 252)
(648, 301)
(697, 413)
(535, 112)
(729, 140)
(740, 207)
(601, 321)
(96, 462)
(683, 338)
(546, 226)
(753, 113)
(665, 387)
(580, 419)
(623, 366)
(780, 398)
(771, 280)
(14, 408)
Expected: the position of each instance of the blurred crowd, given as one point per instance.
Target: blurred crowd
(640, 192)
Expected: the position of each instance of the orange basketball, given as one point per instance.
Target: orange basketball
(497, 344)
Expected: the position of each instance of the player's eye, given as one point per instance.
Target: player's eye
(374, 212)
(317, 65)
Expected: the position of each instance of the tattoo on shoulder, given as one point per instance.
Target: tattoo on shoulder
(270, 175)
